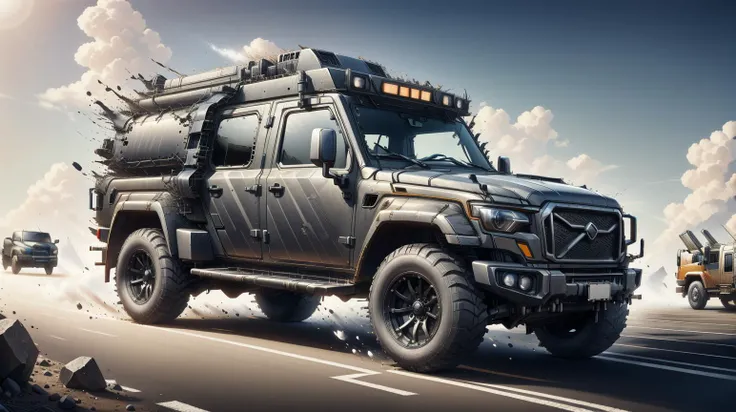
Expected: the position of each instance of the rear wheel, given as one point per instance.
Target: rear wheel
(6, 263)
(15, 265)
(729, 303)
(696, 295)
(579, 336)
(49, 269)
(152, 285)
(285, 306)
(425, 310)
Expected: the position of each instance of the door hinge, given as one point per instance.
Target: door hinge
(348, 241)
(255, 189)
(269, 122)
(266, 237)
(255, 233)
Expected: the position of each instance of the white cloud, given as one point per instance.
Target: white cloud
(122, 45)
(711, 183)
(257, 49)
(526, 141)
(4, 96)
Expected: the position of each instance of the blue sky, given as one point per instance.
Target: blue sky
(630, 83)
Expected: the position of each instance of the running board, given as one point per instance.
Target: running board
(291, 283)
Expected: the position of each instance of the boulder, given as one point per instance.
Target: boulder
(2, 408)
(67, 402)
(11, 386)
(18, 353)
(82, 373)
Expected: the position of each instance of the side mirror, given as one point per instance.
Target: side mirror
(56, 241)
(504, 165)
(323, 150)
(706, 255)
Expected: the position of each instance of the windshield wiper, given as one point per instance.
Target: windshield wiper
(453, 160)
(400, 156)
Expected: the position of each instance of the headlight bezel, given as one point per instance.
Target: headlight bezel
(501, 219)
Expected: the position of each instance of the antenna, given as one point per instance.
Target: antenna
(729, 232)
(169, 69)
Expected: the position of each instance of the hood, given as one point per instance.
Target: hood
(40, 245)
(502, 188)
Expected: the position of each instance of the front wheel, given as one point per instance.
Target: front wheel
(729, 303)
(152, 285)
(425, 311)
(284, 306)
(579, 336)
(696, 295)
(49, 269)
(15, 265)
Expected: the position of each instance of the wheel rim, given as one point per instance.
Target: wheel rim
(412, 310)
(695, 295)
(140, 278)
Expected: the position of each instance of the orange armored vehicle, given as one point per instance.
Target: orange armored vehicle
(705, 272)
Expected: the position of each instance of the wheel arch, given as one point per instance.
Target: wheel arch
(412, 220)
(131, 215)
(691, 277)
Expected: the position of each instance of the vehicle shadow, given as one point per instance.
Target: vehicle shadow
(501, 360)
(35, 274)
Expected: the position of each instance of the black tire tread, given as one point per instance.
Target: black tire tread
(176, 281)
(704, 301)
(729, 303)
(611, 323)
(470, 310)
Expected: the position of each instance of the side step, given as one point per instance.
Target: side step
(295, 283)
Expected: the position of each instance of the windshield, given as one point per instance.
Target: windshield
(421, 141)
(36, 237)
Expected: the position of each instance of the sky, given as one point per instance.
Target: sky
(616, 95)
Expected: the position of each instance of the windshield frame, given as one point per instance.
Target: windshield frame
(44, 235)
(397, 163)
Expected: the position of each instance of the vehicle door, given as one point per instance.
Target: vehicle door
(309, 218)
(726, 277)
(234, 186)
(714, 267)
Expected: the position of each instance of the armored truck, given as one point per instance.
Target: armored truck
(27, 249)
(705, 272)
(319, 174)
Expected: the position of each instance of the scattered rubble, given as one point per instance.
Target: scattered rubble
(83, 373)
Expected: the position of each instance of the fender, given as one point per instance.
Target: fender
(165, 208)
(702, 276)
(448, 216)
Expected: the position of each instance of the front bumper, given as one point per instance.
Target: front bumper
(38, 261)
(551, 284)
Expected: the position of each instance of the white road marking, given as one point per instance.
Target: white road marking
(506, 394)
(671, 362)
(352, 379)
(707, 355)
(683, 321)
(692, 342)
(99, 333)
(670, 368)
(683, 331)
(180, 406)
(553, 397)
(349, 378)
(125, 388)
(56, 337)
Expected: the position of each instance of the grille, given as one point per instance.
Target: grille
(40, 252)
(583, 235)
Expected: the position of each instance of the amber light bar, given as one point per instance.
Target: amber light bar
(406, 91)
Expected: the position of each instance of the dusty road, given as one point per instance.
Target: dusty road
(670, 359)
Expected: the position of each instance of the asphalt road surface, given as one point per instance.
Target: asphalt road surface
(209, 360)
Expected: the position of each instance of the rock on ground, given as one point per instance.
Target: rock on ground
(18, 353)
(83, 373)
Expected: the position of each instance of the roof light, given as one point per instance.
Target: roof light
(447, 100)
(359, 82)
(415, 93)
(403, 91)
(459, 103)
(390, 88)
(426, 96)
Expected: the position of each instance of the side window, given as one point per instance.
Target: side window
(728, 263)
(297, 137)
(714, 259)
(236, 138)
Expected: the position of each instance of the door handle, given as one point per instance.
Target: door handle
(215, 190)
(277, 189)
(255, 189)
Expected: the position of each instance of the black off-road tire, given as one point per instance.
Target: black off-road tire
(6, 263)
(463, 313)
(49, 269)
(588, 338)
(729, 303)
(15, 265)
(171, 290)
(286, 306)
(697, 297)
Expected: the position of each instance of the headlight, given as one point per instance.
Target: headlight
(509, 280)
(501, 220)
(525, 283)
(55, 252)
